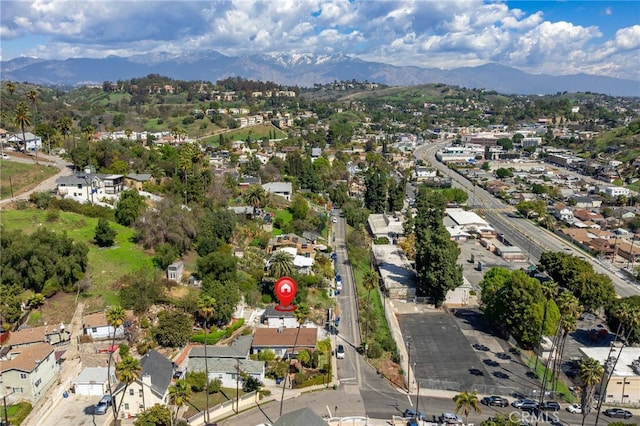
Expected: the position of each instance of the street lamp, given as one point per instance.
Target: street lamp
(408, 366)
(624, 383)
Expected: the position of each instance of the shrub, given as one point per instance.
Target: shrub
(381, 241)
(267, 299)
(299, 378)
(52, 215)
(375, 350)
(197, 380)
(214, 386)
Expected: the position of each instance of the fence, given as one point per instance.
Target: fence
(225, 408)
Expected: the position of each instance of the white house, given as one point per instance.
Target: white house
(282, 340)
(283, 189)
(150, 389)
(96, 326)
(274, 318)
(89, 187)
(30, 141)
(423, 172)
(616, 191)
(93, 381)
(223, 362)
(29, 372)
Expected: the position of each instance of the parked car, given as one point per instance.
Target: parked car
(575, 408)
(340, 352)
(5, 156)
(526, 404)
(550, 406)
(618, 413)
(495, 401)
(451, 419)
(103, 405)
(412, 422)
(334, 220)
(410, 413)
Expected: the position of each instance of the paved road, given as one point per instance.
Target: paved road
(520, 232)
(65, 169)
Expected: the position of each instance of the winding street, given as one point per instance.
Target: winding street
(65, 169)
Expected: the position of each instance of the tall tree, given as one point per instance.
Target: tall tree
(375, 195)
(129, 207)
(32, 95)
(180, 393)
(128, 371)
(465, 402)
(115, 318)
(206, 309)
(570, 311)
(590, 374)
(436, 254)
(11, 87)
(22, 119)
(369, 282)
(281, 264)
(255, 196)
(104, 234)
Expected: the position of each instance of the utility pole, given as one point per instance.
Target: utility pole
(408, 366)
(237, 385)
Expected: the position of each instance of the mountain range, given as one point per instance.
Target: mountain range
(302, 70)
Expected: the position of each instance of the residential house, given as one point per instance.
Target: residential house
(29, 372)
(587, 215)
(93, 381)
(384, 225)
(563, 212)
(90, 187)
(175, 271)
(29, 336)
(223, 362)
(273, 318)
(423, 172)
(283, 189)
(137, 180)
(151, 388)
(248, 211)
(28, 141)
(245, 181)
(629, 251)
(284, 341)
(615, 191)
(304, 416)
(586, 202)
(96, 325)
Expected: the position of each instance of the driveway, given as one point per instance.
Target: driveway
(76, 410)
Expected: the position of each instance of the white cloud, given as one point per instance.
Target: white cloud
(402, 32)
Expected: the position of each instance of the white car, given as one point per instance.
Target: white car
(5, 156)
(334, 220)
(340, 352)
(575, 408)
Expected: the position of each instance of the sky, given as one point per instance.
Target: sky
(539, 37)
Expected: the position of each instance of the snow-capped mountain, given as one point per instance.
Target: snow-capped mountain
(301, 69)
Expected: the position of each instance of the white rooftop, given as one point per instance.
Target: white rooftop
(623, 367)
(462, 217)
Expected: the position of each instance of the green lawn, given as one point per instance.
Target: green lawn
(105, 265)
(563, 391)
(20, 177)
(198, 399)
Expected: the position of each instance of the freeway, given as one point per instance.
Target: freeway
(519, 231)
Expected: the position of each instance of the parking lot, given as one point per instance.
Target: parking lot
(76, 410)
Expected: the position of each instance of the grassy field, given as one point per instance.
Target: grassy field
(563, 391)
(198, 400)
(20, 177)
(106, 266)
(256, 132)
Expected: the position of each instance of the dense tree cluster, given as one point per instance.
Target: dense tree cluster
(436, 255)
(593, 290)
(516, 302)
(43, 262)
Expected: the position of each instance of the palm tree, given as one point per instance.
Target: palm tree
(281, 264)
(115, 318)
(570, 311)
(32, 95)
(549, 291)
(64, 126)
(255, 196)
(301, 313)
(590, 374)
(128, 371)
(21, 119)
(467, 401)
(11, 87)
(206, 309)
(369, 281)
(180, 393)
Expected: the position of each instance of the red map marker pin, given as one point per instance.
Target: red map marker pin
(285, 289)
